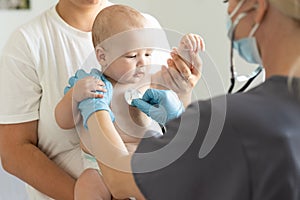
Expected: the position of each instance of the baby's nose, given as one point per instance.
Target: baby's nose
(141, 62)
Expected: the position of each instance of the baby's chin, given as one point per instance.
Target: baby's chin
(131, 80)
(125, 81)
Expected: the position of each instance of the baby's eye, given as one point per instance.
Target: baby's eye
(148, 54)
(130, 56)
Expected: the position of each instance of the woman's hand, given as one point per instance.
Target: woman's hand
(184, 67)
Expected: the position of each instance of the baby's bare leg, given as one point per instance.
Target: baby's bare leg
(90, 185)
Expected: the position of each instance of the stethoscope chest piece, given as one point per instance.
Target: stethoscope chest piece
(131, 94)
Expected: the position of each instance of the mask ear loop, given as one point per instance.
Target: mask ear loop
(233, 73)
(236, 9)
(232, 68)
(259, 69)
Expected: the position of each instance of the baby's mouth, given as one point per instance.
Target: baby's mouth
(139, 72)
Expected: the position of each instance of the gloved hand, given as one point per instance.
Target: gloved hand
(80, 74)
(161, 105)
(90, 105)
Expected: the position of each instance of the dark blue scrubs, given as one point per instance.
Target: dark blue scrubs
(257, 154)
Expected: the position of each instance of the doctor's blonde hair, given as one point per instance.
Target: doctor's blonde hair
(291, 8)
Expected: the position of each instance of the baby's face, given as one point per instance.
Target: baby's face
(130, 68)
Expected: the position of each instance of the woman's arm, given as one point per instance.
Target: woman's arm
(115, 164)
(21, 157)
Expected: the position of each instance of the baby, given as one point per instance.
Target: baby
(128, 70)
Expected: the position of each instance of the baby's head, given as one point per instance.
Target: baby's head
(108, 23)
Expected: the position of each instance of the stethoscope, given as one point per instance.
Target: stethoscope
(241, 78)
(234, 76)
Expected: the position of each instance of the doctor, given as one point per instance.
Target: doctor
(256, 154)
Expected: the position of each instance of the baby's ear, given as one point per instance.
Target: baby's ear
(101, 56)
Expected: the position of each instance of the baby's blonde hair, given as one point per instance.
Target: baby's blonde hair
(115, 19)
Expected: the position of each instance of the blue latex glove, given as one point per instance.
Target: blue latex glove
(91, 105)
(161, 105)
(80, 74)
(88, 106)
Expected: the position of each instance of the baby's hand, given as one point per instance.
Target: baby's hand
(191, 42)
(88, 87)
(189, 46)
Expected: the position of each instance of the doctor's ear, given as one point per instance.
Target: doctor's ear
(101, 56)
(262, 6)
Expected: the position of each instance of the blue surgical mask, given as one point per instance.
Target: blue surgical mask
(246, 47)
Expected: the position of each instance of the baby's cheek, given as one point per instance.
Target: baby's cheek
(148, 62)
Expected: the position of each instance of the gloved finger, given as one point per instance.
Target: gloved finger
(67, 89)
(152, 96)
(141, 105)
(106, 82)
(72, 81)
(81, 74)
(104, 79)
(159, 114)
(112, 116)
(96, 73)
(108, 86)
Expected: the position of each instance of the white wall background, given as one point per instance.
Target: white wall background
(205, 17)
